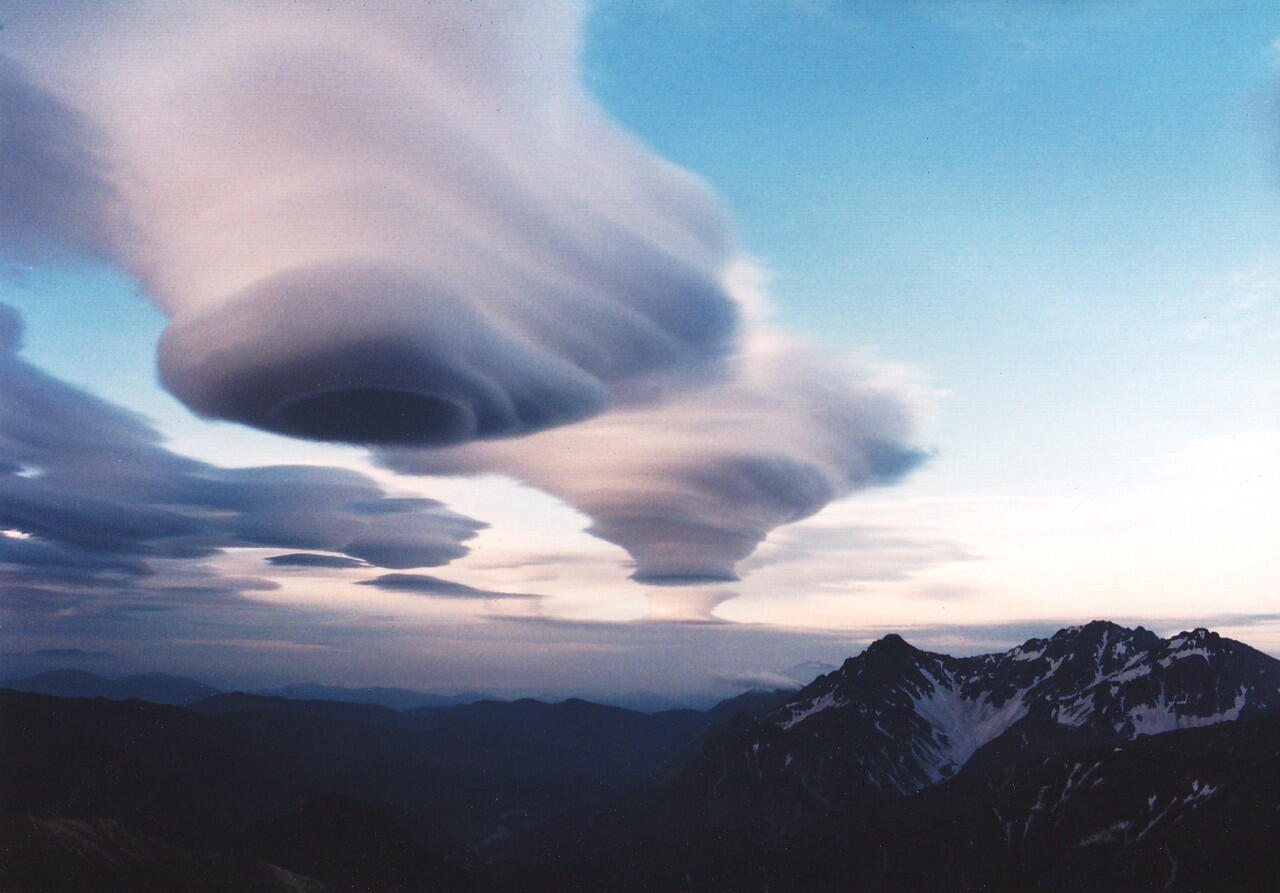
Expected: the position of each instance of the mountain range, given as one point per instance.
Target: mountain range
(1099, 758)
(162, 688)
(896, 719)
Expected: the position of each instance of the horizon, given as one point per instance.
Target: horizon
(792, 679)
(629, 348)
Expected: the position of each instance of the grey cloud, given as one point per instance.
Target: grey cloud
(310, 559)
(809, 670)
(90, 500)
(691, 485)
(55, 197)
(401, 237)
(423, 584)
(407, 239)
(57, 653)
(818, 553)
(760, 679)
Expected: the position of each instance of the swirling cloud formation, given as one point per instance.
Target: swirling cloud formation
(385, 222)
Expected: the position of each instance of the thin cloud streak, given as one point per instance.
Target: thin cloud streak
(424, 584)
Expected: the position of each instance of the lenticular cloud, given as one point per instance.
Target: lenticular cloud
(387, 222)
(690, 486)
(406, 225)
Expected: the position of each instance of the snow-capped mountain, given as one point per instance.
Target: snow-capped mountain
(896, 719)
(1190, 811)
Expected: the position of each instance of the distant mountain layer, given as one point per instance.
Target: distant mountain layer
(393, 698)
(161, 688)
(458, 775)
(158, 688)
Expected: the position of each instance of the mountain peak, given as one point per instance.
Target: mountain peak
(891, 644)
(1093, 627)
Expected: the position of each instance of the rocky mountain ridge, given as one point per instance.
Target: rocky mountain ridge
(895, 719)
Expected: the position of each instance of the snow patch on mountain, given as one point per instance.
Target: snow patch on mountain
(1075, 713)
(962, 725)
(1161, 716)
(1184, 654)
(801, 712)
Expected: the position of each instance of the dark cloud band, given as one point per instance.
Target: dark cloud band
(91, 500)
(423, 584)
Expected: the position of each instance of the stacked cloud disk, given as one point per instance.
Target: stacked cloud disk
(390, 222)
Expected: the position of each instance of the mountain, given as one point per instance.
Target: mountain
(103, 856)
(456, 776)
(1187, 811)
(895, 720)
(1191, 810)
(351, 847)
(158, 688)
(1098, 758)
(393, 698)
(237, 702)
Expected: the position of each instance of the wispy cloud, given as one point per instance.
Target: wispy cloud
(313, 560)
(424, 584)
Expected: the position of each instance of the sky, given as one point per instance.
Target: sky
(641, 346)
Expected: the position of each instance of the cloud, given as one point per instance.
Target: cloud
(55, 197)
(422, 584)
(690, 602)
(842, 549)
(388, 223)
(761, 679)
(690, 486)
(92, 502)
(409, 226)
(309, 559)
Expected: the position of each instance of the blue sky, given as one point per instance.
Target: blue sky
(1030, 201)
(1059, 219)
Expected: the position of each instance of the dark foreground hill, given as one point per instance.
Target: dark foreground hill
(204, 773)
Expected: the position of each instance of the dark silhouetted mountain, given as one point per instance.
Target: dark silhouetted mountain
(158, 688)
(1189, 811)
(351, 846)
(1094, 759)
(748, 705)
(896, 719)
(239, 702)
(393, 698)
(59, 855)
(452, 776)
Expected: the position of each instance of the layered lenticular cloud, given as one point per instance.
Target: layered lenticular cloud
(406, 225)
(55, 197)
(386, 222)
(90, 499)
(691, 486)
